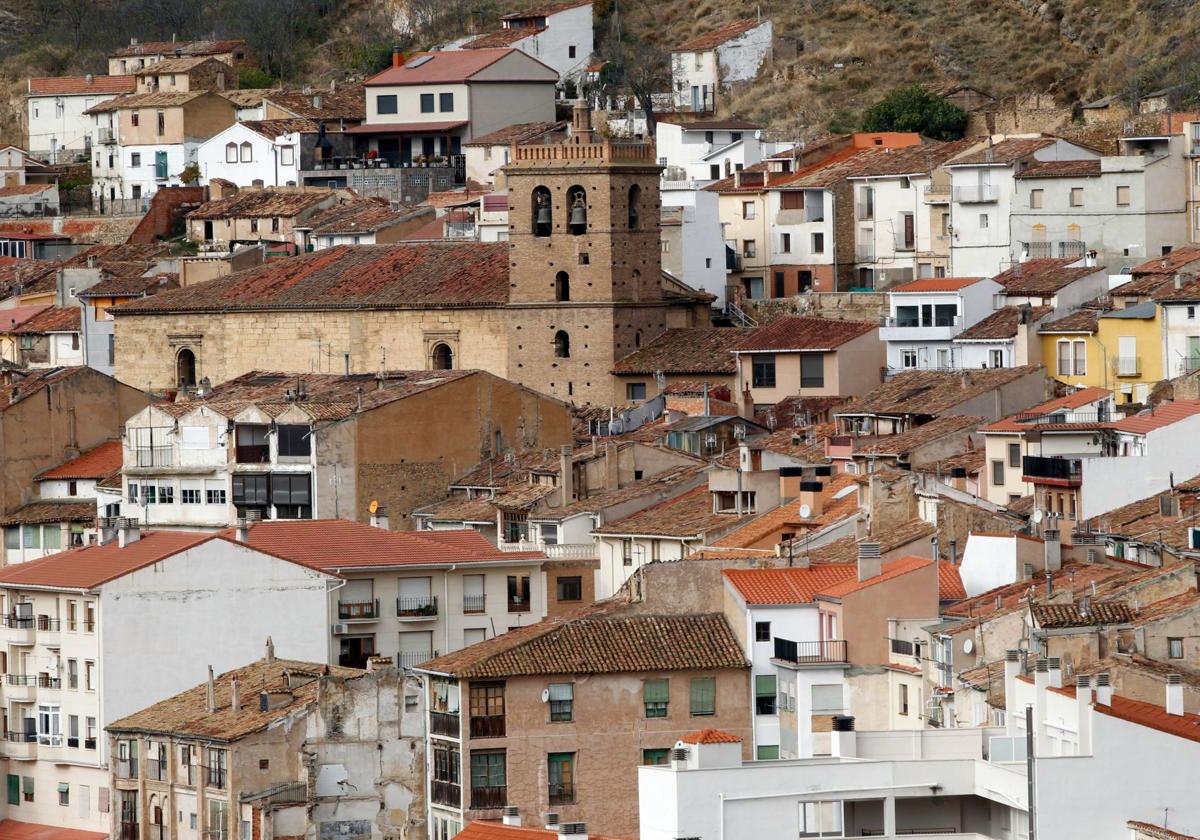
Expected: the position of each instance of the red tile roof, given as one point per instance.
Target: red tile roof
(686, 351)
(96, 463)
(1168, 264)
(950, 585)
(52, 319)
(10, 318)
(69, 85)
(1151, 716)
(14, 830)
(484, 830)
(1005, 152)
(89, 567)
(1088, 168)
(1044, 276)
(891, 570)
(406, 128)
(1024, 420)
(710, 736)
(788, 586)
(1002, 324)
(44, 512)
(719, 36)
(686, 516)
(447, 67)
(25, 189)
(801, 333)
(936, 284)
(686, 124)
(152, 48)
(503, 37)
(545, 10)
(518, 133)
(347, 102)
(932, 392)
(1158, 417)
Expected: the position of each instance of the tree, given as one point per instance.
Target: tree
(915, 108)
(640, 68)
(251, 78)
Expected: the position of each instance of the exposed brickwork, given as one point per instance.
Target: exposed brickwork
(167, 209)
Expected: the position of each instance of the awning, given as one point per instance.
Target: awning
(406, 128)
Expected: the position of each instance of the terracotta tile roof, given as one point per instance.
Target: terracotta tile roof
(333, 545)
(1168, 264)
(687, 352)
(950, 585)
(149, 48)
(46, 512)
(35, 381)
(347, 103)
(1098, 613)
(710, 736)
(95, 565)
(1161, 415)
(518, 133)
(1151, 716)
(1079, 321)
(186, 715)
(421, 276)
(988, 678)
(1072, 577)
(1005, 152)
(906, 442)
(246, 97)
(254, 203)
(668, 484)
(1089, 168)
(1184, 602)
(26, 277)
(687, 124)
(50, 320)
(503, 37)
(755, 178)
(1145, 285)
(96, 463)
(932, 392)
(272, 129)
(485, 830)
(719, 36)
(450, 66)
(1189, 289)
(689, 515)
(1157, 831)
(788, 585)
(153, 99)
(545, 10)
(790, 412)
(1037, 417)
(1043, 276)
(25, 189)
(127, 252)
(845, 550)
(182, 64)
(917, 159)
(788, 515)
(14, 830)
(971, 461)
(799, 333)
(72, 85)
(362, 216)
(10, 319)
(1002, 324)
(602, 639)
(891, 570)
(131, 285)
(935, 284)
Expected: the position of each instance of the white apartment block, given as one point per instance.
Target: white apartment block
(926, 315)
(704, 68)
(705, 151)
(264, 153)
(56, 126)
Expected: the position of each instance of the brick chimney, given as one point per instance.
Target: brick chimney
(810, 494)
(397, 56)
(790, 479)
(870, 560)
(566, 476)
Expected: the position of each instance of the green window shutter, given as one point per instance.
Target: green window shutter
(14, 789)
(704, 696)
(764, 685)
(766, 753)
(656, 691)
(656, 756)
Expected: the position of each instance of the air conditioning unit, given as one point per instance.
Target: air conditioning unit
(340, 629)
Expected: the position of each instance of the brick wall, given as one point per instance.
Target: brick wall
(166, 212)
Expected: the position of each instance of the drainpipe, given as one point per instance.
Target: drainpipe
(1103, 352)
(446, 603)
(329, 615)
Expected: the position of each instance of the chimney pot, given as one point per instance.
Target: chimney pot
(270, 650)
(211, 691)
(1174, 694)
(512, 815)
(1104, 692)
(870, 561)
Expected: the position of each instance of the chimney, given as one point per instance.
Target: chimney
(397, 56)
(1041, 682)
(512, 815)
(210, 696)
(953, 552)
(270, 650)
(566, 475)
(1104, 690)
(679, 758)
(552, 820)
(1178, 282)
(870, 562)
(612, 466)
(843, 741)
(253, 516)
(1053, 551)
(235, 689)
(128, 531)
(108, 529)
(1012, 667)
(1027, 571)
(810, 494)
(572, 831)
(379, 519)
(1049, 584)
(242, 534)
(1083, 702)
(1175, 694)
(790, 481)
(1055, 666)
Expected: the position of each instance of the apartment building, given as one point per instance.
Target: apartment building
(84, 627)
(1006, 338)
(703, 151)
(1178, 301)
(556, 34)
(318, 446)
(56, 126)
(139, 54)
(925, 316)
(513, 721)
(186, 73)
(1122, 349)
(704, 68)
(255, 153)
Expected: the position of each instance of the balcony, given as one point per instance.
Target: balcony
(285, 793)
(839, 446)
(48, 630)
(1046, 250)
(902, 647)
(487, 726)
(864, 252)
(127, 768)
(153, 456)
(562, 793)
(358, 610)
(19, 629)
(518, 605)
(446, 793)
(1127, 366)
(474, 603)
(1041, 470)
(106, 136)
(21, 746)
(977, 194)
(413, 658)
(257, 453)
(422, 608)
(156, 769)
(488, 797)
(20, 688)
(825, 652)
(554, 551)
(445, 723)
(128, 831)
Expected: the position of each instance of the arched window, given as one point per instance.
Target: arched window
(543, 212)
(247, 153)
(635, 206)
(577, 210)
(562, 286)
(443, 357)
(562, 345)
(185, 369)
(231, 153)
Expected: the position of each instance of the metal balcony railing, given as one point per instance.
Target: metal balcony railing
(358, 609)
(1127, 366)
(561, 793)
(474, 603)
(800, 653)
(412, 658)
(1058, 469)
(21, 737)
(902, 647)
(977, 194)
(489, 797)
(153, 456)
(517, 605)
(417, 607)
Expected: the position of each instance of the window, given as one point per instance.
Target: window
(1076, 196)
(997, 473)
(747, 209)
(749, 248)
(821, 819)
(791, 200)
(812, 370)
(827, 699)
(445, 102)
(294, 441)
(562, 345)
(287, 155)
(762, 631)
(767, 752)
(27, 788)
(231, 152)
(134, 118)
(762, 370)
(73, 730)
(1175, 648)
(562, 698)
(71, 615)
(254, 225)
(561, 767)
(656, 696)
(12, 537)
(903, 698)
(1014, 454)
(64, 793)
(1080, 358)
(386, 104)
(217, 768)
(426, 103)
(571, 51)
(764, 694)
(1035, 199)
(488, 779)
(135, 159)
(14, 789)
(32, 536)
(49, 724)
(72, 673)
(214, 492)
(983, 221)
(89, 740)
(703, 696)
(487, 710)
(189, 495)
(996, 358)
(89, 616)
(160, 123)
(656, 757)
(570, 588)
(89, 675)
(1122, 196)
(818, 243)
(291, 495)
(518, 593)
(635, 391)
(785, 243)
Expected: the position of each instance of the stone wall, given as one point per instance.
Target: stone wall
(842, 306)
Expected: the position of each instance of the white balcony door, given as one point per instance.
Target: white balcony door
(415, 588)
(1127, 355)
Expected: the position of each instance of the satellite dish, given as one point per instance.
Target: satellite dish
(968, 646)
(805, 511)
(1037, 517)
(374, 506)
(545, 695)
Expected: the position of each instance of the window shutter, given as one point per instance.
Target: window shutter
(562, 691)
(102, 805)
(656, 691)
(764, 685)
(27, 785)
(826, 698)
(704, 691)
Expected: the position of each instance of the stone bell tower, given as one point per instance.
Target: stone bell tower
(585, 269)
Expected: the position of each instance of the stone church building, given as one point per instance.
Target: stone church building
(578, 286)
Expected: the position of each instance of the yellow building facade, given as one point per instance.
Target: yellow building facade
(1120, 350)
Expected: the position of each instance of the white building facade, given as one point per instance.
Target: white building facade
(925, 316)
(251, 154)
